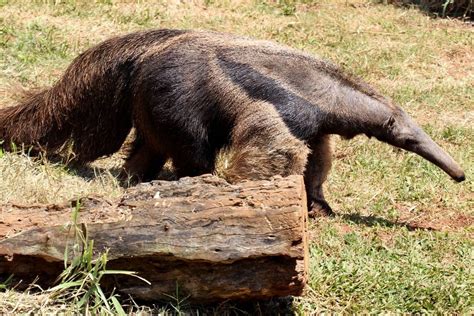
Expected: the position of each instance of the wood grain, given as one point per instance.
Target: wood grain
(213, 240)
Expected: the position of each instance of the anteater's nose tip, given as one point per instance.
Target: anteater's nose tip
(460, 178)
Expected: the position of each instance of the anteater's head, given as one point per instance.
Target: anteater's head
(400, 130)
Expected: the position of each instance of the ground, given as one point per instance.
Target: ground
(402, 239)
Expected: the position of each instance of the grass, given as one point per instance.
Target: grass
(388, 269)
(455, 8)
(403, 237)
(80, 282)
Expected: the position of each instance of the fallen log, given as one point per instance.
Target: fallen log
(213, 240)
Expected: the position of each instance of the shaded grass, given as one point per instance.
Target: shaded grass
(374, 256)
(441, 8)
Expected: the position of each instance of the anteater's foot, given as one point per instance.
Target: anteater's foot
(319, 208)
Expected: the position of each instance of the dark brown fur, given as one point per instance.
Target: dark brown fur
(191, 94)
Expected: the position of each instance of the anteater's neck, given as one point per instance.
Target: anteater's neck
(354, 110)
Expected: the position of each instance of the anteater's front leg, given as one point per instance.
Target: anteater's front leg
(317, 169)
(262, 146)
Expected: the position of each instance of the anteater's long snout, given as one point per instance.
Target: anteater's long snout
(424, 146)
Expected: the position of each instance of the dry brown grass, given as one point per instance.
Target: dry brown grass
(27, 180)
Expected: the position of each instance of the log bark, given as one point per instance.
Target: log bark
(213, 240)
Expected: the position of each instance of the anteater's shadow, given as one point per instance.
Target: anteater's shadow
(89, 173)
(275, 306)
(371, 221)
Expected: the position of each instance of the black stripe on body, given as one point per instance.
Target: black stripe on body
(301, 117)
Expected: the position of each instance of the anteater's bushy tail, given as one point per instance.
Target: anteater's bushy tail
(29, 123)
(50, 119)
(90, 106)
(93, 124)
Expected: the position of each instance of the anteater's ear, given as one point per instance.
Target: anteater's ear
(390, 121)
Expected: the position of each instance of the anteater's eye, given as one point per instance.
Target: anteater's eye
(410, 142)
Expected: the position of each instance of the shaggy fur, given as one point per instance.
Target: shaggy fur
(190, 94)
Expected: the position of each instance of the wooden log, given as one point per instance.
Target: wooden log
(213, 240)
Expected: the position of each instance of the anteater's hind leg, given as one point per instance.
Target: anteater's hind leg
(143, 162)
(317, 169)
(262, 146)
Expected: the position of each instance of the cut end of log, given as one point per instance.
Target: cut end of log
(212, 240)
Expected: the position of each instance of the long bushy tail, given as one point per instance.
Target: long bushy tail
(90, 106)
(94, 124)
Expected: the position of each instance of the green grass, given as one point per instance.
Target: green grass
(80, 282)
(402, 240)
(389, 269)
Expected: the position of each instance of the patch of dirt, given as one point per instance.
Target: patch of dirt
(315, 228)
(386, 237)
(436, 218)
(344, 229)
(460, 61)
(455, 223)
